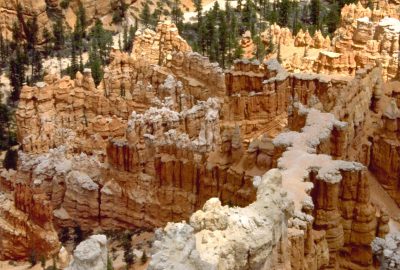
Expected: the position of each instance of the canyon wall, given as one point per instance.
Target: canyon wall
(166, 130)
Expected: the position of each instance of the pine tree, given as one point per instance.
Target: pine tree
(101, 41)
(95, 66)
(177, 15)
(145, 14)
(128, 252)
(47, 41)
(43, 261)
(283, 12)
(78, 235)
(58, 34)
(5, 117)
(315, 12)
(17, 74)
(333, 18)
(278, 54)
(109, 263)
(74, 63)
(144, 257)
(249, 16)
(10, 162)
(222, 35)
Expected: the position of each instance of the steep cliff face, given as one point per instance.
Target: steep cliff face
(26, 225)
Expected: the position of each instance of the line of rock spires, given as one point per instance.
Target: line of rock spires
(185, 135)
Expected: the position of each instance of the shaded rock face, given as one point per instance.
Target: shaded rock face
(26, 225)
(90, 254)
(153, 143)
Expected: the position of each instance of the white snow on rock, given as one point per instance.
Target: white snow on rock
(90, 254)
(300, 157)
(388, 251)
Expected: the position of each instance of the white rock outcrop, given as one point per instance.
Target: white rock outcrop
(388, 251)
(223, 237)
(90, 254)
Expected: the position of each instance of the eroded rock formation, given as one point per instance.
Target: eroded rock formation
(166, 130)
(364, 38)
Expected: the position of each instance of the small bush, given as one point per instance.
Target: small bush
(64, 4)
(144, 257)
(10, 160)
(32, 258)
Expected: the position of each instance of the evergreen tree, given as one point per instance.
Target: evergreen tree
(249, 16)
(144, 257)
(283, 12)
(17, 74)
(128, 252)
(119, 11)
(95, 66)
(177, 15)
(78, 235)
(16, 35)
(43, 261)
(64, 235)
(33, 258)
(10, 162)
(333, 18)
(47, 41)
(36, 67)
(58, 34)
(278, 54)
(109, 263)
(5, 116)
(101, 41)
(222, 35)
(315, 12)
(145, 14)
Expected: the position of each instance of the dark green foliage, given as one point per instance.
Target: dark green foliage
(333, 18)
(145, 14)
(129, 257)
(120, 9)
(144, 257)
(95, 66)
(315, 12)
(43, 261)
(64, 4)
(78, 235)
(47, 36)
(64, 235)
(17, 73)
(31, 32)
(58, 34)
(109, 263)
(284, 12)
(177, 14)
